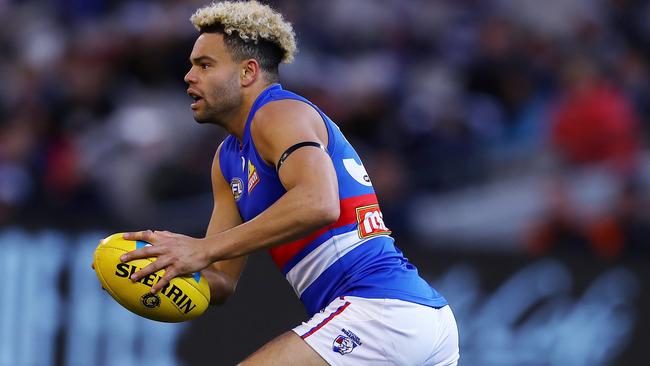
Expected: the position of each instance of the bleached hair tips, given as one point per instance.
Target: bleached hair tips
(251, 21)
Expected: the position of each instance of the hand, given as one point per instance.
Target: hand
(177, 254)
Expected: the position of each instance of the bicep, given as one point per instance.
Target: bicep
(312, 167)
(310, 179)
(288, 123)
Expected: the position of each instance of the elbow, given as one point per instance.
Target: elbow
(221, 286)
(219, 299)
(333, 213)
(219, 296)
(328, 212)
(317, 209)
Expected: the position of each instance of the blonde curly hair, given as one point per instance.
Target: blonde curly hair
(251, 21)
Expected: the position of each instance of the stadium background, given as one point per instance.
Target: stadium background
(506, 140)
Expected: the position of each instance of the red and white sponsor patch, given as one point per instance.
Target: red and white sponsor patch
(253, 177)
(371, 221)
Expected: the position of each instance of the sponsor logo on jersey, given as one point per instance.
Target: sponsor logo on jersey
(357, 171)
(237, 187)
(174, 293)
(371, 222)
(345, 342)
(253, 177)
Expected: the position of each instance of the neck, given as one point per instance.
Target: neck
(236, 124)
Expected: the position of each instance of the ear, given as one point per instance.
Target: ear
(250, 71)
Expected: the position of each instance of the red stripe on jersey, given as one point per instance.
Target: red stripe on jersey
(284, 252)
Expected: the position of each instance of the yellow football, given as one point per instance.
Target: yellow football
(183, 299)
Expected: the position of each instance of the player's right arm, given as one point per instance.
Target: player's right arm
(222, 275)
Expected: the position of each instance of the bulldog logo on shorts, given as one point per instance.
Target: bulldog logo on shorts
(345, 343)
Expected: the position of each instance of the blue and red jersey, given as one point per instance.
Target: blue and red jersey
(354, 256)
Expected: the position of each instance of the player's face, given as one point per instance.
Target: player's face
(213, 80)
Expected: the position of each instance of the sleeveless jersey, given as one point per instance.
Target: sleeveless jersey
(354, 256)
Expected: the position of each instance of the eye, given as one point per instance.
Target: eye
(205, 66)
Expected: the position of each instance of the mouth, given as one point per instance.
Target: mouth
(196, 97)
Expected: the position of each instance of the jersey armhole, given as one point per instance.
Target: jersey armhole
(331, 141)
(224, 149)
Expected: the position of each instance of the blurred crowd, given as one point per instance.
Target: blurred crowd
(437, 96)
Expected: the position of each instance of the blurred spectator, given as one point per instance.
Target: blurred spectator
(624, 230)
(561, 229)
(594, 125)
(95, 129)
(595, 122)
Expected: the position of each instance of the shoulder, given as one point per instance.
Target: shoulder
(228, 145)
(284, 114)
(283, 123)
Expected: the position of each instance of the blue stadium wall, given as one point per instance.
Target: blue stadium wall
(511, 310)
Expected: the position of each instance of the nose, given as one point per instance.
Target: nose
(189, 77)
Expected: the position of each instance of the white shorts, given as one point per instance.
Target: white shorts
(358, 331)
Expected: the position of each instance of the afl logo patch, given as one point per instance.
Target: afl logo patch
(237, 187)
(150, 300)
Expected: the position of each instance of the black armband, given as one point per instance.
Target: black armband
(295, 147)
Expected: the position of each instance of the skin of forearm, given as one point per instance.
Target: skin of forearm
(297, 213)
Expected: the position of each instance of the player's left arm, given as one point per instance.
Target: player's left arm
(311, 200)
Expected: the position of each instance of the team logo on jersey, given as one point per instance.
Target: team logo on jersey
(345, 343)
(371, 222)
(253, 177)
(237, 187)
(357, 171)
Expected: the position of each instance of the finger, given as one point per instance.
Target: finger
(148, 235)
(164, 281)
(151, 268)
(145, 252)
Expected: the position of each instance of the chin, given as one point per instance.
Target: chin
(205, 118)
(199, 118)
